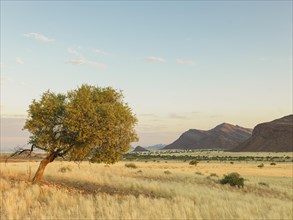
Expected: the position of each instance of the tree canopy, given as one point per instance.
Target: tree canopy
(90, 122)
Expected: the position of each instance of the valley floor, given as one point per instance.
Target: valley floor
(164, 190)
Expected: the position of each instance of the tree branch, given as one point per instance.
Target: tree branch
(20, 150)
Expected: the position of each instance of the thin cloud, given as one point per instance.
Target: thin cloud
(13, 116)
(83, 60)
(19, 60)
(73, 51)
(154, 59)
(187, 115)
(39, 37)
(8, 81)
(177, 116)
(148, 115)
(79, 61)
(96, 64)
(5, 79)
(101, 52)
(185, 62)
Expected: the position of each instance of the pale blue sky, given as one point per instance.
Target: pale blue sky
(181, 65)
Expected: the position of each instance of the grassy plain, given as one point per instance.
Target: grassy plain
(153, 190)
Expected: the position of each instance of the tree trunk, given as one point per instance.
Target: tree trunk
(42, 167)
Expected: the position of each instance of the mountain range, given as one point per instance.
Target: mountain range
(224, 136)
(274, 136)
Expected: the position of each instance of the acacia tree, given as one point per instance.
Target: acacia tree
(88, 123)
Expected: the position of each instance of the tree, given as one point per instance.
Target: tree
(88, 123)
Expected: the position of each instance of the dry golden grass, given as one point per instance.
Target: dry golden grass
(96, 191)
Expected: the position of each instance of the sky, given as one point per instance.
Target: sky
(180, 64)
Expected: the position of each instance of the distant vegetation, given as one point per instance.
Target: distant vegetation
(207, 155)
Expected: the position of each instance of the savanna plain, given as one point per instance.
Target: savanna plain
(148, 189)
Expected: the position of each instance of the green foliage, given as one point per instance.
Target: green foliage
(233, 179)
(193, 162)
(89, 122)
(131, 165)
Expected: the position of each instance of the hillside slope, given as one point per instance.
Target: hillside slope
(274, 136)
(224, 136)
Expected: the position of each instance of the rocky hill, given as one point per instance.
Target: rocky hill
(139, 149)
(274, 136)
(224, 136)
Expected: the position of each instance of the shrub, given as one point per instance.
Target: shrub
(233, 179)
(167, 172)
(273, 164)
(214, 174)
(261, 165)
(193, 162)
(231, 162)
(131, 165)
(64, 169)
(198, 173)
(263, 184)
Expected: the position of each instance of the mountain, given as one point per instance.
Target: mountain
(139, 149)
(156, 147)
(274, 136)
(224, 136)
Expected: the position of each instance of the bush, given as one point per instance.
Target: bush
(261, 165)
(263, 184)
(131, 165)
(231, 162)
(198, 173)
(233, 179)
(273, 164)
(193, 162)
(214, 174)
(167, 172)
(64, 169)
